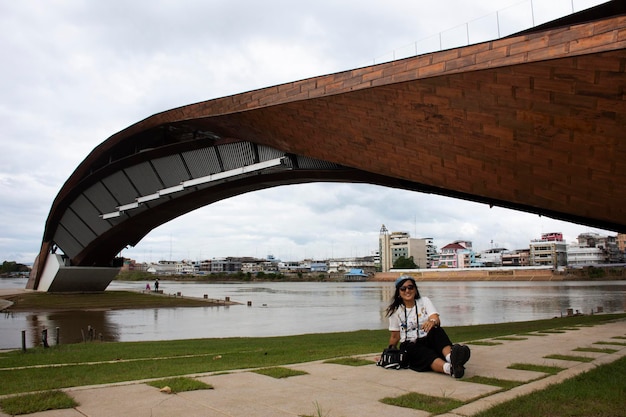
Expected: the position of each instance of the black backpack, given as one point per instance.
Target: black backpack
(391, 358)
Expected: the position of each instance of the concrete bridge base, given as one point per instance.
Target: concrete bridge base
(58, 277)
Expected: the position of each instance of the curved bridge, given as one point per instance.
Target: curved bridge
(533, 122)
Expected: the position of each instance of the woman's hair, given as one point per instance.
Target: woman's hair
(397, 300)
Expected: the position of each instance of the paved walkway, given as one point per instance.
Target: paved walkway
(347, 391)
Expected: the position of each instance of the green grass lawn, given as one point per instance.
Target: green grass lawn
(102, 362)
(600, 392)
(36, 402)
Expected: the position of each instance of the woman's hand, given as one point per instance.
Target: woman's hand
(431, 323)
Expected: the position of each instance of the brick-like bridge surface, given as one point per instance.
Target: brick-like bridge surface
(534, 122)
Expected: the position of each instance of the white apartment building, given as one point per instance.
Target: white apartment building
(583, 255)
(186, 267)
(346, 264)
(252, 267)
(550, 250)
(162, 268)
(492, 257)
(400, 244)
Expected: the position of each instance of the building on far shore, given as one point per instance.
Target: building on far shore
(583, 255)
(455, 255)
(518, 257)
(550, 250)
(621, 242)
(394, 245)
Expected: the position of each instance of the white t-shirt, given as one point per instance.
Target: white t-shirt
(410, 326)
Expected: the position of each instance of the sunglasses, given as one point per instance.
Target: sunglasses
(408, 287)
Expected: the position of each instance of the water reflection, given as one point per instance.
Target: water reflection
(74, 326)
(297, 308)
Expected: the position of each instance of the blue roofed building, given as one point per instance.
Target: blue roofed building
(355, 275)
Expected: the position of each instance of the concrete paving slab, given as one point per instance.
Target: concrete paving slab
(137, 400)
(364, 380)
(240, 393)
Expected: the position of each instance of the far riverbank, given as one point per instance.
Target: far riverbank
(514, 274)
(508, 274)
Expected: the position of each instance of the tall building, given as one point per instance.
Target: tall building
(550, 250)
(394, 245)
(424, 252)
(384, 249)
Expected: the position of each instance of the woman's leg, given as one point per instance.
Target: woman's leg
(420, 356)
(439, 365)
(452, 357)
(440, 342)
(446, 351)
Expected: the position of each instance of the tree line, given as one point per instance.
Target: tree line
(11, 266)
(404, 263)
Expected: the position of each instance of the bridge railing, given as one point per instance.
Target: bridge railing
(504, 22)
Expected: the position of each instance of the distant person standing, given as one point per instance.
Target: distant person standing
(147, 287)
(156, 285)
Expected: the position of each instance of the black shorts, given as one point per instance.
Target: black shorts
(421, 353)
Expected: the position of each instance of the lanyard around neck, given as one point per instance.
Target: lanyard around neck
(406, 321)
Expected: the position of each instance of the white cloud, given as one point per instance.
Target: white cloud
(77, 71)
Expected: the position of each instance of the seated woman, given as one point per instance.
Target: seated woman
(415, 323)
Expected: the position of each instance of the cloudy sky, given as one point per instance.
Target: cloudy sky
(76, 72)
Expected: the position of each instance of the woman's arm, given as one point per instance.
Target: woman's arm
(394, 338)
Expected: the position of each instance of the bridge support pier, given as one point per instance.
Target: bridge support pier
(57, 277)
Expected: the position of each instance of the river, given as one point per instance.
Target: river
(290, 308)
